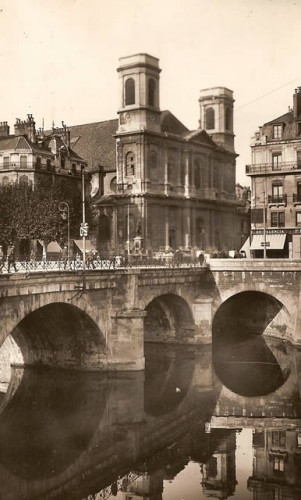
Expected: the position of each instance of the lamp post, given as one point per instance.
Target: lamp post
(64, 208)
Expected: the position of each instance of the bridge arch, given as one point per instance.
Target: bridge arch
(168, 319)
(252, 312)
(57, 335)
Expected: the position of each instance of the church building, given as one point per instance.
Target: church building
(161, 185)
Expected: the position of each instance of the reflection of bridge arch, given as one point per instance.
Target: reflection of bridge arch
(253, 311)
(58, 335)
(168, 317)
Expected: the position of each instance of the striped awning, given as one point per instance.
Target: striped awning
(273, 241)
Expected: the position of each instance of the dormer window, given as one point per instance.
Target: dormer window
(277, 132)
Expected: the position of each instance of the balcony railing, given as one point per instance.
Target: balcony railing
(265, 168)
(29, 165)
(277, 199)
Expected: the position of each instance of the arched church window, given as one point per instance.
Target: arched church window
(210, 119)
(153, 160)
(113, 184)
(151, 92)
(130, 164)
(129, 91)
(197, 174)
(228, 119)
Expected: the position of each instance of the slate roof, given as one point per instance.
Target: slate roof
(95, 143)
(16, 143)
(287, 118)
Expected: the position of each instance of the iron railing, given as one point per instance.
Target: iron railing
(265, 168)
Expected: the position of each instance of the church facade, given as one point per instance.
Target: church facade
(173, 187)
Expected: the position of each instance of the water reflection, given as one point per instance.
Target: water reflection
(177, 430)
(251, 365)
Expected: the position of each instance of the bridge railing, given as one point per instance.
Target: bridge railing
(115, 263)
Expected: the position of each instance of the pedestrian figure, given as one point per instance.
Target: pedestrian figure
(11, 257)
(33, 258)
(90, 263)
(64, 256)
(201, 259)
(77, 263)
(1, 258)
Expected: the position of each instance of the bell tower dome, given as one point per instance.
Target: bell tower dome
(140, 93)
(216, 115)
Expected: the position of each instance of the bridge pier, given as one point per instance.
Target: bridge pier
(127, 340)
(202, 313)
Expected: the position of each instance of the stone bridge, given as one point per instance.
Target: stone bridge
(100, 321)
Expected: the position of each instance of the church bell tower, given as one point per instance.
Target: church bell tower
(139, 84)
(216, 115)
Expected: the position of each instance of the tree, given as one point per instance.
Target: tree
(31, 212)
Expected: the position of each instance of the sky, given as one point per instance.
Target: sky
(59, 58)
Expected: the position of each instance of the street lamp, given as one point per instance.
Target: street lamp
(64, 208)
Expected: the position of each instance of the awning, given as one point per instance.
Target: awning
(53, 247)
(89, 246)
(273, 241)
(246, 247)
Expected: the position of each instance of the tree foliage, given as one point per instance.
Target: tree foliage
(32, 212)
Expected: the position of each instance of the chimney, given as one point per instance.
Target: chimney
(297, 102)
(4, 129)
(26, 127)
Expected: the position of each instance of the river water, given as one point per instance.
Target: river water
(207, 422)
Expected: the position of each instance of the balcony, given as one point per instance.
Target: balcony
(280, 199)
(269, 168)
(297, 198)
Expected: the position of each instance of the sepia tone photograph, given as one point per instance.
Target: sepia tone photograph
(150, 250)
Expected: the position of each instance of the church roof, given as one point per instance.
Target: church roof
(171, 124)
(201, 136)
(95, 143)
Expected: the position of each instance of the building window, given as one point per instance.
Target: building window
(277, 193)
(151, 92)
(38, 162)
(298, 219)
(5, 161)
(278, 464)
(210, 119)
(277, 219)
(277, 132)
(276, 161)
(23, 161)
(278, 438)
(129, 92)
(130, 164)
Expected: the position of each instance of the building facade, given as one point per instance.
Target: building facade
(275, 174)
(173, 187)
